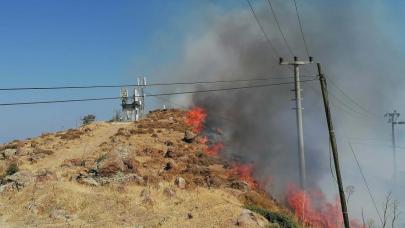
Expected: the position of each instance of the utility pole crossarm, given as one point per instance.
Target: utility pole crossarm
(296, 61)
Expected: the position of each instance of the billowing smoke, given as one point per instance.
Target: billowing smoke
(259, 124)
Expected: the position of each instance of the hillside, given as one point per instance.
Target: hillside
(153, 173)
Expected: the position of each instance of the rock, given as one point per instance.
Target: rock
(249, 219)
(145, 193)
(6, 187)
(169, 154)
(189, 136)
(38, 151)
(45, 175)
(146, 198)
(20, 179)
(137, 179)
(62, 215)
(88, 180)
(189, 215)
(168, 192)
(25, 151)
(131, 165)
(169, 143)
(240, 185)
(180, 182)
(72, 162)
(168, 166)
(110, 166)
(7, 153)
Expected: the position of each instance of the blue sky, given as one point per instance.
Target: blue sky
(48, 43)
(72, 42)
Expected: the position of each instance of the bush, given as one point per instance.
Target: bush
(13, 168)
(88, 119)
(273, 217)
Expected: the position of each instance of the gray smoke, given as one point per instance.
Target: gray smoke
(259, 124)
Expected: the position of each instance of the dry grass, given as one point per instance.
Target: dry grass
(143, 147)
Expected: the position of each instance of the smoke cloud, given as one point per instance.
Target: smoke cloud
(259, 124)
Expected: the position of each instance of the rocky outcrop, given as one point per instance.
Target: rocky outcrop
(110, 166)
(250, 219)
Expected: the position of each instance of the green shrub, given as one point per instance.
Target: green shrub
(88, 119)
(273, 217)
(13, 168)
(200, 154)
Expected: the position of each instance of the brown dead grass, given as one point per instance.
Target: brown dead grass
(143, 147)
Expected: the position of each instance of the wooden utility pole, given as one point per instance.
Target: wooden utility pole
(298, 107)
(334, 146)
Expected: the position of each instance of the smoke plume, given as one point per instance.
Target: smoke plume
(259, 124)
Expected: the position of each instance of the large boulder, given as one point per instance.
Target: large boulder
(45, 175)
(20, 179)
(110, 166)
(8, 153)
(23, 151)
(250, 219)
(189, 136)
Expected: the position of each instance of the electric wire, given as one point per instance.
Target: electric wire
(365, 182)
(153, 95)
(301, 29)
(262, 29)
(149, 85)
(349, 110)
(279, 27)
(352, 100)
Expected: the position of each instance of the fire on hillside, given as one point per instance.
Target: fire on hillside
(309, 206)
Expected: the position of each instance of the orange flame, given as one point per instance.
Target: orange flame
(203, 140)
(214, 149)
(244, 172)
(313, 209)
(196, 118)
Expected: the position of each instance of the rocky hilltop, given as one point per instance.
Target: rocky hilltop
(153, 173)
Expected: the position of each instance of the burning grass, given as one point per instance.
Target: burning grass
(312, 209)
(196, 118)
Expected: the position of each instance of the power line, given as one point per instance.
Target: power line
(351, 99)
(262, 29)
(152, 95)
(302, 31)
(350, 110)
(59, 101)
(149, 85)
(279, 28)
(365, 182)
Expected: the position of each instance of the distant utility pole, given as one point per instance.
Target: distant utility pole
(393, 119)
(298, 107)
(334, 146)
